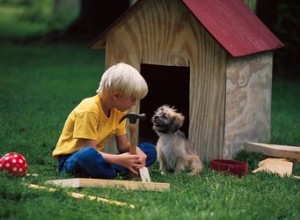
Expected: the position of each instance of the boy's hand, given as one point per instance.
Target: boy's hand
(130, 161)
(142, 155)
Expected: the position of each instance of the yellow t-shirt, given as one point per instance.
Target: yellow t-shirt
(88, 121)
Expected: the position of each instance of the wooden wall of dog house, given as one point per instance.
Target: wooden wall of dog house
(170, 35)
(207, 101)
(156, 34)
(248, 101)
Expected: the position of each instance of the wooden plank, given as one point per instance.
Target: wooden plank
(274, 150)
(82, 196)
(103, 183)
(280, 166)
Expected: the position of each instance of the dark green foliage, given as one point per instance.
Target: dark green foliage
(283, 19)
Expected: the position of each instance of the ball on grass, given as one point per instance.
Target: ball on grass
(14, 164)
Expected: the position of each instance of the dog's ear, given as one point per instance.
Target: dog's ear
(176, 122)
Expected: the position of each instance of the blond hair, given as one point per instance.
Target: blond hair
(125, 79)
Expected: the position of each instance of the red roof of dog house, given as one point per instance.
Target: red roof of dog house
(230, 22)
(234, 26)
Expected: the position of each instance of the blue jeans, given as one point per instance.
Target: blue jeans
(87, 162)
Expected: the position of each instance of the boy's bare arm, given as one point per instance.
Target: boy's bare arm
(122, 143)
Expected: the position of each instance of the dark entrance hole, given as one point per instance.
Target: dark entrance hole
(167, 85)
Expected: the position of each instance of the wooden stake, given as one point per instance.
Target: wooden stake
(103, 183)
(82, 196)
(144, 172)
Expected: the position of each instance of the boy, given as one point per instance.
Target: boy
(95, 119)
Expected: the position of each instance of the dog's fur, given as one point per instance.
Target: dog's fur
(173, 151)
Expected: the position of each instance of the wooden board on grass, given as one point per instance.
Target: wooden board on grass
(274, 150)
(280, 166)
(103, 183)
(82, 196)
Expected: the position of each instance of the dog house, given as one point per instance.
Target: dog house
(210, 59)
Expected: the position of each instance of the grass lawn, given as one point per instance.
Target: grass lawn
(41, 83)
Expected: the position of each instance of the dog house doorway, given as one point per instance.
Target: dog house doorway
(167, 85)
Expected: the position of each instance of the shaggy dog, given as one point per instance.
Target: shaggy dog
(173, 151)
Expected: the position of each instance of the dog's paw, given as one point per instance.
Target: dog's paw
(163, 173)
(194, 173)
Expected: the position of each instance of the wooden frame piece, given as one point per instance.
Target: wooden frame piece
(103, 183)
(274, 150)
(280, 166)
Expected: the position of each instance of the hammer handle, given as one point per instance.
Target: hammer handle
(132, 148)
(144, 173)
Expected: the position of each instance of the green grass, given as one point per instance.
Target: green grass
(41, 83)
(285, 112)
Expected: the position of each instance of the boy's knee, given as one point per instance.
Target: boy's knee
(94, 164)
(70, 167)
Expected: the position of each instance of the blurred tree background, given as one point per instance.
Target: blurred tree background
(283, 18)
(58, 19)
(83, 20)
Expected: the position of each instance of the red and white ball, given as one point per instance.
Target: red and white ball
(14, 164)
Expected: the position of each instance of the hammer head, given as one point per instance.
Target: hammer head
(133, 117)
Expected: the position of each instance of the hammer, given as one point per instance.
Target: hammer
(144, 173)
